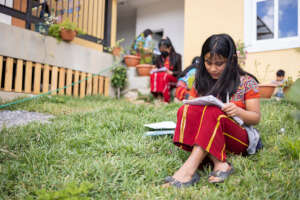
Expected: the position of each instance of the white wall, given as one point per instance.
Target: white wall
(5, 18)
(126, 28)
(166, 15)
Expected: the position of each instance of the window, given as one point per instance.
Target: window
(272, 24)
(6, 19)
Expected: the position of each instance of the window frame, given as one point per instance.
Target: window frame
(254, 45)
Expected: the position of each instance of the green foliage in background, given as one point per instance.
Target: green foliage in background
(294, 96)
(54, 29)
(119, 78)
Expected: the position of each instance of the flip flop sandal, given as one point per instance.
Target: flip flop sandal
(220, 175)
(169, 179)
(178, 184)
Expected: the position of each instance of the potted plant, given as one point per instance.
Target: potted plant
(133, 59)
(146, 63)
(241, 53)
(116, 50)
(66, 31)
(119, 79)
(266, 90)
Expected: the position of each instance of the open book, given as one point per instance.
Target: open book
(161, 128)
(210, 100)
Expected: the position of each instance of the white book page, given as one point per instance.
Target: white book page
(162, 125)
(205, 100)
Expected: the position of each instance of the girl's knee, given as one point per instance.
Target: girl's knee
(215, 110)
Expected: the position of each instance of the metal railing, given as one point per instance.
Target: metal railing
(89, 15)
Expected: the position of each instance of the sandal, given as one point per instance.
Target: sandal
(221, 175)
(178, 184)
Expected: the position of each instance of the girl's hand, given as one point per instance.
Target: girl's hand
(231, 109)
(169, 72)
(191, 97)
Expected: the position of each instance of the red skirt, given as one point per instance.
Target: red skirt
(209, 128)
(162, 82)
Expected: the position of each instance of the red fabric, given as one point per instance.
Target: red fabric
(167, 63)
(193, 92)
(209, 128)
(180, 92)
(162, 82)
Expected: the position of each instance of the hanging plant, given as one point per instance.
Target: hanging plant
(67, 30)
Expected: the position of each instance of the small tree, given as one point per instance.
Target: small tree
(119, 79)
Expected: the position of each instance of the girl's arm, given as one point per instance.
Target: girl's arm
(250, 115)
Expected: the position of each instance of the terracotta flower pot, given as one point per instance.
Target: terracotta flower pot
(266, 90)
(67, 35)
(131, 60)
(144, 69)
(116, 51)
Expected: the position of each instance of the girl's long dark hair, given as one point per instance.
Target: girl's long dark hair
(167, 43)
(229, 81)
(147, 32)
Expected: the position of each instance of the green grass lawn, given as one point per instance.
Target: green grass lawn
(95, 149)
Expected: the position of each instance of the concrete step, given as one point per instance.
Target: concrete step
(136, 82)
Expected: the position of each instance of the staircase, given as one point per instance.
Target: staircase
(136, 82)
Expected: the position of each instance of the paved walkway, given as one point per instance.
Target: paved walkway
(20, 118)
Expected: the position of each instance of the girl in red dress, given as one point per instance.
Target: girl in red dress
(208, 131)
(168, 67)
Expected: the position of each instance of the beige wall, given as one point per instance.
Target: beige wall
(204, 18)
(267, 63)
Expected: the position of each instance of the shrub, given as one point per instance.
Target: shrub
(119, 79)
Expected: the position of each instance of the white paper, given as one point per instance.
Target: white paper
(162, 69)
(208, 101)
(205, 100)
(162, 125)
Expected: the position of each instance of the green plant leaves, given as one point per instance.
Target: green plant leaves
(119, 77)
(294, 93)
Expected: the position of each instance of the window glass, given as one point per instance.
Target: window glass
(288, 18)
(265, 19)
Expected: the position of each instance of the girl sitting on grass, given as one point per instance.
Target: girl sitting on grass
(208, 131)
(186, 80)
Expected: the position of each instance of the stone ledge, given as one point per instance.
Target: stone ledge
(138, 83)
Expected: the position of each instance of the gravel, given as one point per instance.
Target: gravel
(20, 118)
